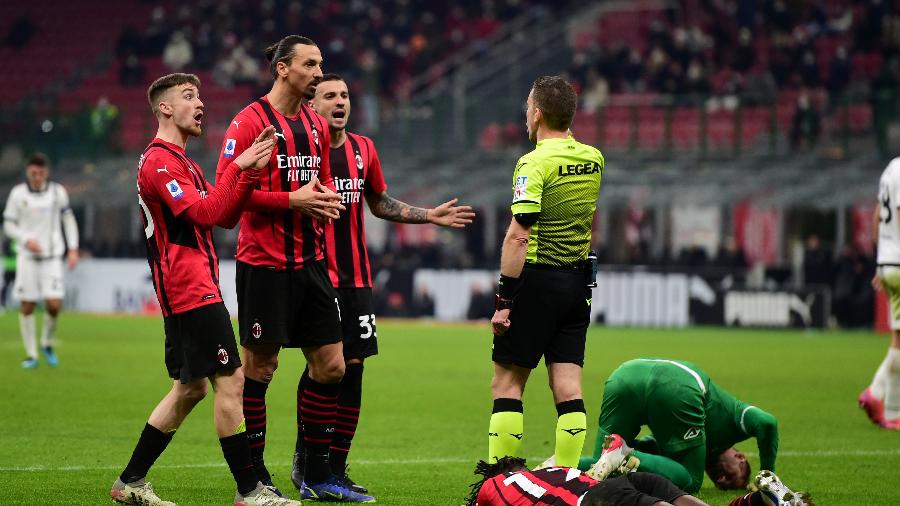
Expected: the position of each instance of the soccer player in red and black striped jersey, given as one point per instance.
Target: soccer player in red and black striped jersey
(179, 209)
(508, 483)
(285, 298)
(357, 177)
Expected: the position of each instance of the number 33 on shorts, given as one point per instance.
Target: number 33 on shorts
(367, 324)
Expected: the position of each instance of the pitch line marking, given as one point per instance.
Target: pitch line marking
(406, 462)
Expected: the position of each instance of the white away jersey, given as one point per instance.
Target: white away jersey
(40, 215)
(889, 222)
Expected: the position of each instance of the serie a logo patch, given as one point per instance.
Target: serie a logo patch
(174, 190)
(229, 148)
(520, 188)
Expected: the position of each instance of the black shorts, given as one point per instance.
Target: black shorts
(293, 308)
(200, 343)
(549, 317)
(358, 323)
(633, 489)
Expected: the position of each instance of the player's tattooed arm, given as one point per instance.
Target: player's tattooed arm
(388, 208)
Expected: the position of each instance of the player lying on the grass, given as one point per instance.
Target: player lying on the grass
(508, 482)
(694, 422)
(179, 209)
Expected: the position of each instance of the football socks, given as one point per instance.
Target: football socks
(255, 417)
(318, 413)
(26, 328)
(506, 429)
(347, 419)
(48, 332)
(236, 449)
(751, 499)
(571, 429)
(301, 385)
(150, 446)
(892, 385)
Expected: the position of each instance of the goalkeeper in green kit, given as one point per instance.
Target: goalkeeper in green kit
(694, 425)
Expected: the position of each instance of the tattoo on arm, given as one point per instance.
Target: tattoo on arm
(388, 208)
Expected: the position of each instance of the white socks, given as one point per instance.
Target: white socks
(891, 384)
(48, 332)
(26, 328)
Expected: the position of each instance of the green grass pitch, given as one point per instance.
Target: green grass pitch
(66, 433)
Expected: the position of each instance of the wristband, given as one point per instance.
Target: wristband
(501, 303)
(508, 286)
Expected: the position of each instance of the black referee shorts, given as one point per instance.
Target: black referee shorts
(549, 317)
(633, 489)
(200, 343)
(292, 308)
(358, 323)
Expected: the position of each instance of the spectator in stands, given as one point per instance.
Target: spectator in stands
(852, 293)
(806, 125)
(731, 255)
(178, 52)
(102, 131)
(817, 264)
(481, 303)
(132, 72)
(20, 33)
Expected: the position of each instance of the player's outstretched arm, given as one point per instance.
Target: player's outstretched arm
(764, 427)
(447, 214)
(224, 203)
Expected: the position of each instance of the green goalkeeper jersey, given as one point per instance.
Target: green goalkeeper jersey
(560, 180)
(725, 420)
(730, 421)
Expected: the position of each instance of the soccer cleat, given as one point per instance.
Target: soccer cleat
(775, 493)
(352, 485)
(52, 359)
(873, 406)
(264, 495)
(333, 490)
(890, 424)
(297, 469)
(550, 462)
(29, 363)
(264, 477)
(139, 493)
(616, 458)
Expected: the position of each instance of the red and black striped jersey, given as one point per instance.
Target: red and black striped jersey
(558, 486)
(356, 172)
(182, 257)
(271, 234)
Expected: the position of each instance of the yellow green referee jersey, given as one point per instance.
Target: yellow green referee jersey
(560, 180)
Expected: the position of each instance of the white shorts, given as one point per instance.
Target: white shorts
(38, 280)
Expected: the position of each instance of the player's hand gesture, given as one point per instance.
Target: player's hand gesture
(500, 322)
(449, 214)
(876, 283)
(257, 155)
(316, 200)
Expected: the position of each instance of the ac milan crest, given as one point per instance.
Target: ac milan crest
(223, 356)
(256, 330)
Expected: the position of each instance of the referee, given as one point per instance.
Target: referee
(544, 301)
